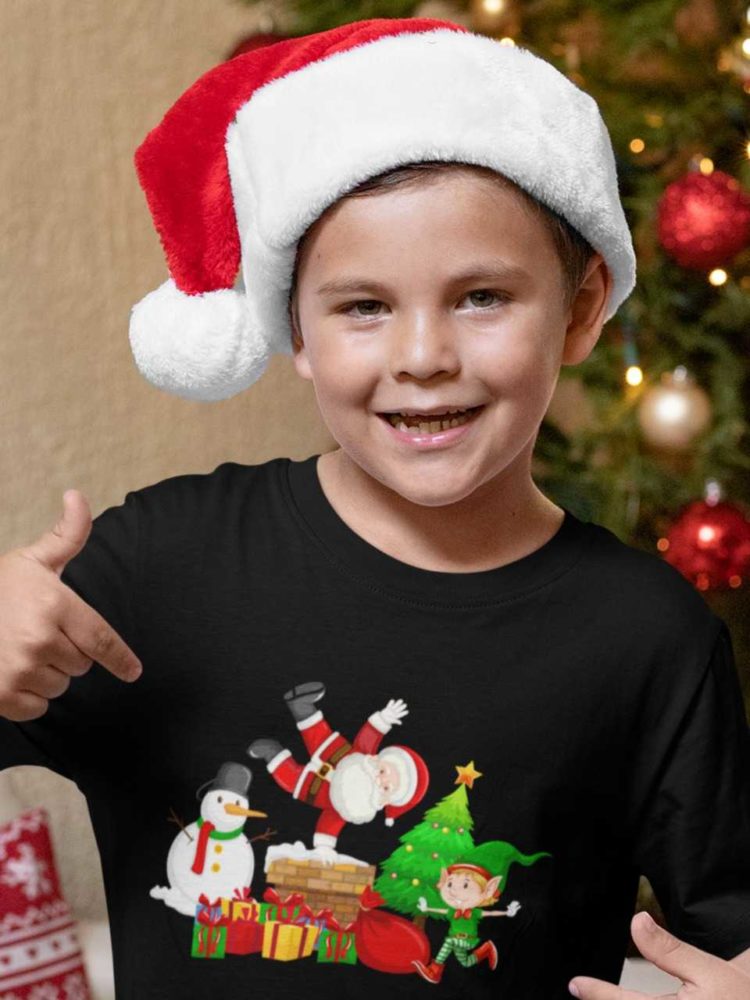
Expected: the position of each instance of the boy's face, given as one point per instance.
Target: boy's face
(416, 335)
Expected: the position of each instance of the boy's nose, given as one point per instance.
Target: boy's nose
(424, 345)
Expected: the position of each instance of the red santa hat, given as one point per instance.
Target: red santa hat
(414, 777)
(259, 146)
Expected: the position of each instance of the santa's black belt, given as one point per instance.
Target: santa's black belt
(325, 767)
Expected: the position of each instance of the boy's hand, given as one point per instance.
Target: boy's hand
(704, 976)
(48, 634)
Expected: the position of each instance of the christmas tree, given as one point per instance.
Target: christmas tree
(443, 836)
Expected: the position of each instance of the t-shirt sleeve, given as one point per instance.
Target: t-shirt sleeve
(70, 737)
(692, 835)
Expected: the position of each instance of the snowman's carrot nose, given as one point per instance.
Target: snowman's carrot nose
(236, 810)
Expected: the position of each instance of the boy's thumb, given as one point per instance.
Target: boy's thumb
(54, 548)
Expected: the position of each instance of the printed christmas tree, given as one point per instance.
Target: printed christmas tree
(440, 839)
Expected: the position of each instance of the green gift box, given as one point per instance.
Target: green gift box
(337, 946)
(209, 939)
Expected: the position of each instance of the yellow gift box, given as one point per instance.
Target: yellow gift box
(285, 942)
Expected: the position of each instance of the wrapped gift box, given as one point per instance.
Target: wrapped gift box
(337, 946)
(286, 942)
(210, 928)
(244, 937)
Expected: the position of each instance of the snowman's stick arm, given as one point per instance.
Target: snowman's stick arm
(174, 818)
(264, 836)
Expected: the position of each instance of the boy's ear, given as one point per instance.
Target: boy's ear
(301, 362)
(586, 314)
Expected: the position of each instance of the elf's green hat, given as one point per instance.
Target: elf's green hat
(494, 857)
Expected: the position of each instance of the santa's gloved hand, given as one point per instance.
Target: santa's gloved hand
(325, 854)
(513, 908)
(394, 711)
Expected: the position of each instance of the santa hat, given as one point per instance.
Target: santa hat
(259, 146)
(414, 777)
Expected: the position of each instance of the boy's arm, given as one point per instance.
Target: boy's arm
(690, 809)
(72, 734)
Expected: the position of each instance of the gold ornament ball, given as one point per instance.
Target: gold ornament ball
(394, 875)
(415, 881)
(435, 826)
(446, 829)
(674, 412)
(409, 847)
(435, 855)
(460, 829)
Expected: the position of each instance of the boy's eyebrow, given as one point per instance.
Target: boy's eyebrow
(489, 271)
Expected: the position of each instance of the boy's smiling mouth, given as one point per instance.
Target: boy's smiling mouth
(426, 430)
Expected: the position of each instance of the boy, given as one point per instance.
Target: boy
(579, 694)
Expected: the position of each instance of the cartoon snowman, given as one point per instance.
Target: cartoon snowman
(212, 855)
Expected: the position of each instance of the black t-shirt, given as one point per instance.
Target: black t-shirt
(558, 724)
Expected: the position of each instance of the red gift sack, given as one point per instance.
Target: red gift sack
(385, 941)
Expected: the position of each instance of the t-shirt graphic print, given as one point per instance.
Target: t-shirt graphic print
(319, 902)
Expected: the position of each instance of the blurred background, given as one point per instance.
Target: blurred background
(649, 437)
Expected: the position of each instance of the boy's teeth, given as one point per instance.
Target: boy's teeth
(429, 423)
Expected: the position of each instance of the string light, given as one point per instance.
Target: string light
(718, 276)
(634, 375)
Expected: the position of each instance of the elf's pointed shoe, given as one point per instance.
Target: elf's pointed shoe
(486, 950)
(432, 972)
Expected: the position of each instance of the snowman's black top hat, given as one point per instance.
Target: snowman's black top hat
(231, 777)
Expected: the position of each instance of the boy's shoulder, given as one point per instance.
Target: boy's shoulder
(650, 599)
(190, 491)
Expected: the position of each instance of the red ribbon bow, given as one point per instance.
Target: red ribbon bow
(245, 893)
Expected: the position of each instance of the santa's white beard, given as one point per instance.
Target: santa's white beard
(354, 793)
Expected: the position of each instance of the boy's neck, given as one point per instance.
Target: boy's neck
(499, 523)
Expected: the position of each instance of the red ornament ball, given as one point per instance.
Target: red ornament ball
(703, 220)
(710, 545)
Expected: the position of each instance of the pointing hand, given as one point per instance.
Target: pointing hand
(48, 634)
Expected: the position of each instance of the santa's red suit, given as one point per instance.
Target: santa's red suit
(340, 777)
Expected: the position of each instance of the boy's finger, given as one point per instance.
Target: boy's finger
(587, 988)
(676, 957)
(57, 546)
(96, 638)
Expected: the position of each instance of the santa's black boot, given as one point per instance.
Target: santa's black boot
(265, 749)
(301, 699)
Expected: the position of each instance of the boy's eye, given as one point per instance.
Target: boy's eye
(347, 310)
(488, 292)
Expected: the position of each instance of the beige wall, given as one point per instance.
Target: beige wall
(83, 82)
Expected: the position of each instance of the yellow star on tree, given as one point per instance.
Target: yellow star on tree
(467, 774)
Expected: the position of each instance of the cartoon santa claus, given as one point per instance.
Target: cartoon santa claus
(350, 782)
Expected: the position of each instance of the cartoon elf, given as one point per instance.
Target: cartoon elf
(469, 885)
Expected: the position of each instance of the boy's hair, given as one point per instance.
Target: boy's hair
(573, 251)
